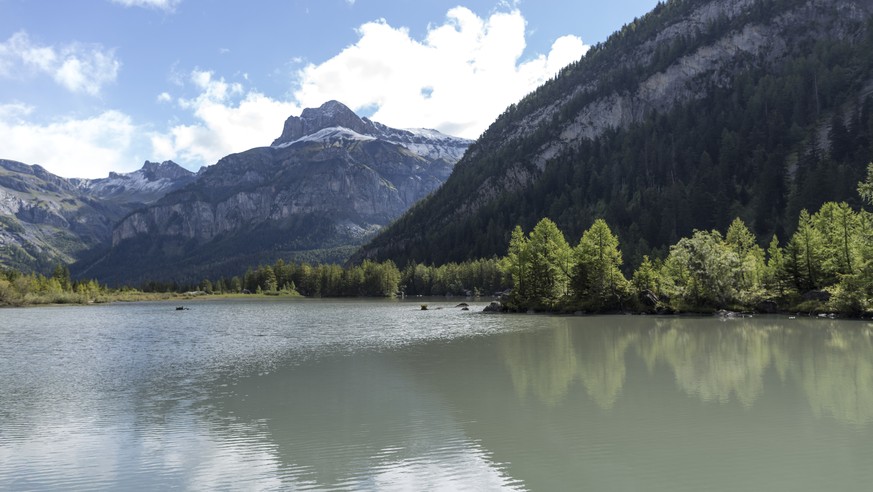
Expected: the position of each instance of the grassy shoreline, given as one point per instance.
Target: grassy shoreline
(66, 299)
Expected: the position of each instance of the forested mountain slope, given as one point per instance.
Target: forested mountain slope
(697, 113)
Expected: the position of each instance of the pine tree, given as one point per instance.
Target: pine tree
(597, 277)
(804, 255)
(548, 254)
(517, 265)
(838, 225)
(750, 275)
(775, 278)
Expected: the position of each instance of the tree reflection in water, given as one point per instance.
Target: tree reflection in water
(713, 360)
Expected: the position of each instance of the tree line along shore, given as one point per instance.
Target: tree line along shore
(826, 266)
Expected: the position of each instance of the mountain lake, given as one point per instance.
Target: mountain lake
(380, 395)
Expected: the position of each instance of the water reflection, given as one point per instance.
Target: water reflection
(715, 361)
(353, 423)
(378, 396)
(836, 374)
(546, 363)
(542, 363)
(593, 402)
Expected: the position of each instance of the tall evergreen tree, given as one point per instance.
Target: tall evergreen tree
(775, 278)
(549, 256)
(804, 254)
(750, 274)
(838, 225)
(865, 188)
(517, 265)
(597, 276)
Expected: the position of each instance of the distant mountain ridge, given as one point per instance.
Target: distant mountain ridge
(701, 111)
(145, 185)
(328, 183)
(333, 114)
(45, 219)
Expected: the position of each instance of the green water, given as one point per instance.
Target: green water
(351, 395)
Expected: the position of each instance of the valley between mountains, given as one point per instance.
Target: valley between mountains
(696, 114)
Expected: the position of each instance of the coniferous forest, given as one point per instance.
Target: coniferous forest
(755, 175)
(762, 144)
(826, 265)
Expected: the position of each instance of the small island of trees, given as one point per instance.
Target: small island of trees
(827, 265)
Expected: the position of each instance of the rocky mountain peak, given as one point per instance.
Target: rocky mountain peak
(334, 120)
(145, 185)
(154, 171)
(312, 120)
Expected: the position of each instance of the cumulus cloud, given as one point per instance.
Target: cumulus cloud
(165, 5)
(70, 147)
(228, 118)
(77, 67)
(458, 79)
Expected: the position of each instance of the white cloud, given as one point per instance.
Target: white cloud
(458, 79)
(77, 67)
(164, 97)
(15, 111)
(228, 119)
(166, 5)
(81, 148)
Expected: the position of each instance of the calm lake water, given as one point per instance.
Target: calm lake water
(306, 394)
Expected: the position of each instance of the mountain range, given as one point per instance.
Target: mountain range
(46, 219)
(328, 183)
(696, 113)
(699, 112)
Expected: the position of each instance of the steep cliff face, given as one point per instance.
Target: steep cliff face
(711, 63)
(364, 182)
(677, 58)
(713, 41)
(330, 181)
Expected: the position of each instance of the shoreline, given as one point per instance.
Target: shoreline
(709, 313)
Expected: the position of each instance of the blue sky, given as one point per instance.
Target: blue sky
(92, 86)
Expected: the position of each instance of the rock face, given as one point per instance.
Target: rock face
(329, 182)
(46, 219)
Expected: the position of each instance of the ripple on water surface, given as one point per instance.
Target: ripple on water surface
(339, 395)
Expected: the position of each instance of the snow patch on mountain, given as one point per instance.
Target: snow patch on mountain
(318, 124)
(145, 185)
(333, 134)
